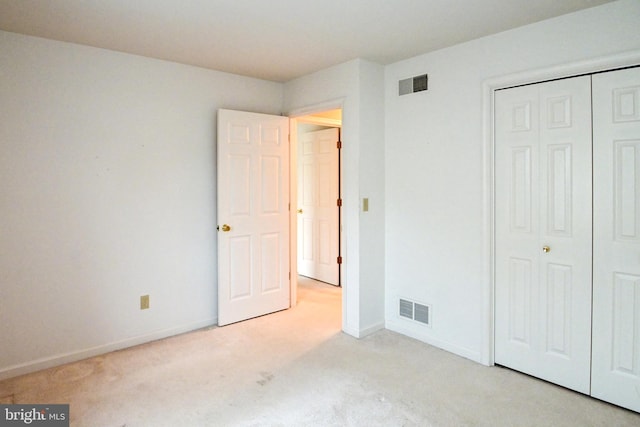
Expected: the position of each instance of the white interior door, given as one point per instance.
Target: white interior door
(616, 286)
(543, 231)
(253, 215)
(318, 211)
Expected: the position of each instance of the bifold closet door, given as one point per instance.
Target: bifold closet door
(616, 245)
(543, 230)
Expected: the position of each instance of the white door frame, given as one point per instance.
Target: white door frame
(295, 117)
(626, 59)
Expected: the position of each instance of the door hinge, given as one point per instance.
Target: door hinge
(339, 202)
(289, 137)
(339, 260)
(339, 144)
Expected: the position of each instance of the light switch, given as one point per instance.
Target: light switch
(365, 204)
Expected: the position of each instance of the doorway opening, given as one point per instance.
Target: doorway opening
(311, 134)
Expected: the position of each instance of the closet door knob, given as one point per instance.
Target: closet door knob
(546, 249)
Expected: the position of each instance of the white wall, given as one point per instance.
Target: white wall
(107, 192)
(435, 246)
(371, 186)
(357, 86)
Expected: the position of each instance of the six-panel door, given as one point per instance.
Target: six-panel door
(253, 215)
(317, 201)
(616, 281)
(543, 231)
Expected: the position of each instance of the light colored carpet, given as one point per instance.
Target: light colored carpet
(295, 368)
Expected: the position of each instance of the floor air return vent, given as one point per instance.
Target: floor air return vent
(415, 311)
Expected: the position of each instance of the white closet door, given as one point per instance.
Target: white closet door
(543, 231)
(616, 285)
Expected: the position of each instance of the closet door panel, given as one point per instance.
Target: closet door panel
(543, 230)
(517, 228)
(616, 282)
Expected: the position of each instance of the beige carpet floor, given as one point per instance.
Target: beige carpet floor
(295, 368)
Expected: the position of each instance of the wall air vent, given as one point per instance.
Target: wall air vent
(413, 84)
(406, 309)
(415, 311)
(421, 313)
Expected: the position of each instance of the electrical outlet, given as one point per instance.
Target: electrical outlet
(144, 302)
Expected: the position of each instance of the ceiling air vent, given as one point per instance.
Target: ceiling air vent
(413, 84)
(415, 311)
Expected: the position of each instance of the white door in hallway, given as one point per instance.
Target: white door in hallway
(253, 215)
(318, 211)
(543, 230)
(616, 281)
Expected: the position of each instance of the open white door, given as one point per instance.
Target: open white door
(318, 210)
(253, 215)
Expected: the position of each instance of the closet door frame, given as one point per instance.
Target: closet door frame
(607, 63)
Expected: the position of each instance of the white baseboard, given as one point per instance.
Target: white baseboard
(61, 359)
(361, 333)
(370, 329)
(351, 331)
(467, 353)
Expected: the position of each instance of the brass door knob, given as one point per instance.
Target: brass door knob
(546, 249)
(226, 228)
(299, 210)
